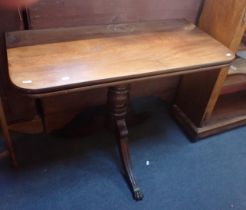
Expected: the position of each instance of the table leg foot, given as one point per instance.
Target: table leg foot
(138, 195)
(122, 135)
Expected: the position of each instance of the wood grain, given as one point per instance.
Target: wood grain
(217, 13)
(67, 13)
(230, 112)
(59, 110)
(45, 36)
(110, 58)
(53, 14)
(194, 93)
(213, 18)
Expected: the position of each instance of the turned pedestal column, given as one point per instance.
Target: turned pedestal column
(118, 98)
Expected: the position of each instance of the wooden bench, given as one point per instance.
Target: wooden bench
(49, 62)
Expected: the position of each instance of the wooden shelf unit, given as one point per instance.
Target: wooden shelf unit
(229, 112)
(208, 104)
(236, 79)
(229, 108)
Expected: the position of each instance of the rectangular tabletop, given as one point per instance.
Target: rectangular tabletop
(42, 61)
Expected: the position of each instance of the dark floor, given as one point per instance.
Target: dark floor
(84, 173)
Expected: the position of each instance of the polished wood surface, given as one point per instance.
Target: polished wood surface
(126, 53)
(54, 14)
(112, 59)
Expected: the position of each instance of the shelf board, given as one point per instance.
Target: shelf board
(229, 107)
(236, 80)
(230, 112)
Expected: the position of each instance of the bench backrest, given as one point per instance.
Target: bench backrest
(51, 13)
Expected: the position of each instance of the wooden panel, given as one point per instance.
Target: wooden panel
(231, 12)
(59, 110)
(217, 13)
(83, 100)
(234, 83)
(229, 112)
(67, 13)
(45, 36)
(164, 87)
(214, 16)
(229, 107)
(194, 94)
(86, 62)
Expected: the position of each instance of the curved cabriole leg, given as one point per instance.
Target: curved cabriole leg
(118, 102)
